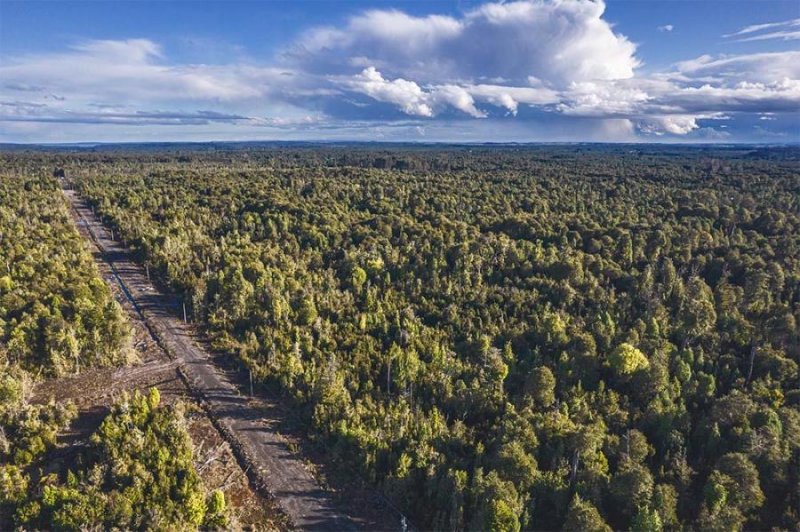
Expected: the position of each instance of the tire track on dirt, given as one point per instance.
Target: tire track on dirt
(272, 465)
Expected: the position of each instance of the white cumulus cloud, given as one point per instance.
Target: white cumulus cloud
(674, 124)
(555, 41)
(409, 97)
(517, 62)
(406, 95)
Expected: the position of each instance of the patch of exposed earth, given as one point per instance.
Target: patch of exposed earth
(95, 390)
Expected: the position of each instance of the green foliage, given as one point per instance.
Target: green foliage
(11, 390)
(626, 359)
(13, 485)
(542, 386)
(137, 474)
(27, 433)
(488, 332)
(358, 278)
(716, 494)
(584, 517)
(665, 503)
(497, 504)
(57, 315)
(631, 488)
(646, 520)
(217, 511)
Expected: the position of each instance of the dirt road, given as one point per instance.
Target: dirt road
(278, 470)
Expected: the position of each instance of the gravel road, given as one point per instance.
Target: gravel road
(273, 465)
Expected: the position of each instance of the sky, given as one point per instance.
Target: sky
(429, 71)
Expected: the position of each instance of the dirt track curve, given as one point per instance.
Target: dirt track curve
(274, 467)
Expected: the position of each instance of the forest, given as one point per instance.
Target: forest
(502, 338)
(58, 317)
(499, 338)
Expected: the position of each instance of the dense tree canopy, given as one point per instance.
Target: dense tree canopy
(137, 474)
(57, 317)
(523, 338)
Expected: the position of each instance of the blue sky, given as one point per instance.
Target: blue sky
(528, 70)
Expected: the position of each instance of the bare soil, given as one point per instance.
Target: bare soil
(237, 437)
(95, 390)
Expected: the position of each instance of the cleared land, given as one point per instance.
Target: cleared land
(245, 422)
(93, 391)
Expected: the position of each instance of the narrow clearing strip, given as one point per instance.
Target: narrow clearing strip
(274, 468)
